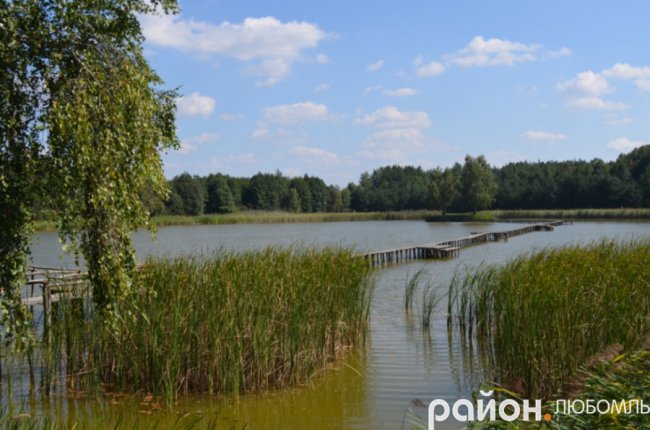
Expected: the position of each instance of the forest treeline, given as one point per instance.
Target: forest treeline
(471, 186)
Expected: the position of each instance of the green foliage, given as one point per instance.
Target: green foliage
(107, 126)
(222, 323)
(219, 196)
(478, 185)
(73, 74)
(19, 157)
(542, 316)
(191, 192)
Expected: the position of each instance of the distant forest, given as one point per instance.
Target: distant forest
(471, 186)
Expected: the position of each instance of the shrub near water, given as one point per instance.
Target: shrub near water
(230, 323)
(544, 315)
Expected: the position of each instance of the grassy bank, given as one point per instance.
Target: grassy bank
(542, 316)
(496, 215)
(620, 213)
(286, 217)
(260, 217)
(222, 323)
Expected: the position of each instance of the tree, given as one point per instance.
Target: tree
(304, 193)
(294, 200)
(219, 196)
(20, 104)
(76, 70)
(191, 192)
(443, 189)
(478, 185)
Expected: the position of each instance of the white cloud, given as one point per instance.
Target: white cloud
(615, 120)
(231, 162)
(623, 144)
(401, 92)
(493, 52)
(585, 91)
(272, 71)
(321, 87)
(392, 117)
(195, 105)
(640, 75)
(397, 134)
(322, 59)
(587, 88)
(595, 103)
(562, 52)
(375, 66)
(543, 136)
(644, 84)
(372, 89)
(275, 44)
(260, 133)
(625, 71)
(297, 112)
(315, 155)
(231, 117)
(586, 83)
(191, 144)
(431, 69)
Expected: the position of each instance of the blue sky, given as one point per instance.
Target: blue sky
(337, 88)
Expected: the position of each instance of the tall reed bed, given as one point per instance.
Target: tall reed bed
(277, 217)
(542, 316)
(611, 213)
(223, 323)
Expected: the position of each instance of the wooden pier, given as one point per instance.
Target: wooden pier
(451, 248)
(54, 284)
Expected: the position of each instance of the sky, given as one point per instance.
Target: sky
(336, 88)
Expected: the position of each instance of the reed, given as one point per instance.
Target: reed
(223, 323)
(595, 213)
(412, 286)
(430, 300)
(263, 217)
(542, 316)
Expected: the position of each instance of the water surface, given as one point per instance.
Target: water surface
(402, 362)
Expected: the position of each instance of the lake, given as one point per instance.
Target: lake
(371, 389)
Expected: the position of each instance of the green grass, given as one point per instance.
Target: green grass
(223, 323)
(496, 215)
(270, 217)
(620, 379)
(618, 213)
(263, 217)
(542, 316)
(286, 217)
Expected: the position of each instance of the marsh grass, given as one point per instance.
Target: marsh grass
(412, 285)
(263, 217)
(221, 323)
(542, 316)
(429, 298)
(612, 213)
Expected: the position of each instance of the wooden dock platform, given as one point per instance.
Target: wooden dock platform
(451, 248)
(54, 284)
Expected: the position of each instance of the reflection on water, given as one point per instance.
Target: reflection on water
(403, 362)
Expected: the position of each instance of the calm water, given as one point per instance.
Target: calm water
(370, 390)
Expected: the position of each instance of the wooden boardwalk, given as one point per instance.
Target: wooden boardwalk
(451, 248)
(54, 284)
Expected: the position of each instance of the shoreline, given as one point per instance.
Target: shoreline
(425, 215)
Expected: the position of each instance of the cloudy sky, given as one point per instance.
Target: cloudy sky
(337, 88)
